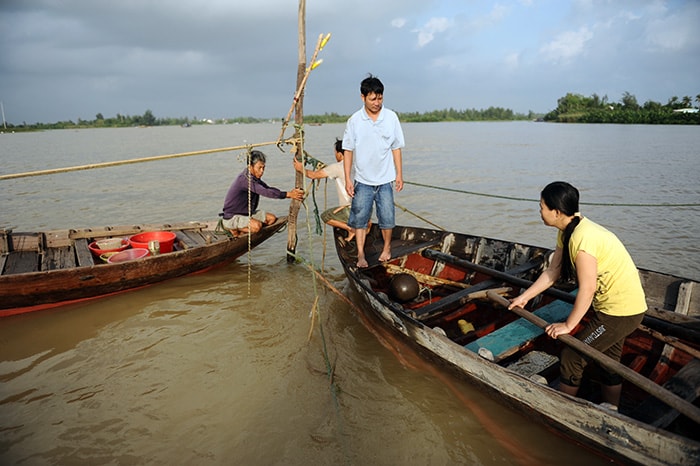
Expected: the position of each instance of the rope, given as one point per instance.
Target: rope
(510, 198)
(221, 230)
(418, 216)
(250, 215)
(316, 318)
(130, 161)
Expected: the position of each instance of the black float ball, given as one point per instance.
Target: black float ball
(403, 287)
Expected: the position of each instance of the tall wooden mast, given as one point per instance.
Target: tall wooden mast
(298, 120)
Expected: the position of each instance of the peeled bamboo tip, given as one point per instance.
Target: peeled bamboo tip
(324, 41)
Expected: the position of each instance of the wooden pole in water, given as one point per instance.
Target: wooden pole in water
(295, 205)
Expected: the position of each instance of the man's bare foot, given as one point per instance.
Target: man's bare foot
(385, 256)
(362, 262)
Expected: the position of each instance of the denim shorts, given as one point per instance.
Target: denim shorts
(365, 197)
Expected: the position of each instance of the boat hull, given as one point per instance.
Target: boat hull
(612, 434)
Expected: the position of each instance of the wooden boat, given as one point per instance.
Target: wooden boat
(453, 313)
(40, 270)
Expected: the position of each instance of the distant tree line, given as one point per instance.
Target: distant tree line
(448, 114)
(572, 108)
(125, 121)
(575, 108)
(148, 119)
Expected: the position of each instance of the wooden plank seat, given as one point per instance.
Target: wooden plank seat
(508, 339)
(21, 262)
(186, 241)
(685, 383)
(82, 253)
(57, 258)
(398, 249)
(404, 249)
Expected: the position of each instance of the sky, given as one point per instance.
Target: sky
(68, 59)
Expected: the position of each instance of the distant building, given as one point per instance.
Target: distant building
(686, 110)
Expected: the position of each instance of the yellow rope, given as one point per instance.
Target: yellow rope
(130, 161)
(418, 216)
(250, 214)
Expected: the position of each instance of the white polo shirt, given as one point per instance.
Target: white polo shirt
(371, 143)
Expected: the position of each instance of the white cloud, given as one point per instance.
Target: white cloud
(426, 34)
(511, 61)
(140, 55)
(398, 23)
(567, 45)
(672, 32)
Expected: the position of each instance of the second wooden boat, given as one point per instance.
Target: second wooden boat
(40, 270)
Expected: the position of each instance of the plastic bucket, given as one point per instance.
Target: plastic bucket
(165, 238)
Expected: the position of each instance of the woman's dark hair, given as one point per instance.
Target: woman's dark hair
(371, 84)
(255, 157)
(563, 197)
(338, 145)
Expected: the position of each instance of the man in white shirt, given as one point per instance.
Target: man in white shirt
(372, 142)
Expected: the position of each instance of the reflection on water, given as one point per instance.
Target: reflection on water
(229, 367)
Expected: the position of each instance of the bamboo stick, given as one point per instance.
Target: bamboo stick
(130, 161)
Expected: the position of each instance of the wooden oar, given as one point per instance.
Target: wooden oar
(505, 276)
(652, 318)
(669, 398)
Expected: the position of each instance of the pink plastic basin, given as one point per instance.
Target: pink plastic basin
(165, 238)
(128, 255)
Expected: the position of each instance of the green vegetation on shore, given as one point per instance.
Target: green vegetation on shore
(575, 108)
(572, 108)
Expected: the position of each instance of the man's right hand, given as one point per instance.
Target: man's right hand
(349, 187)
(296, 193)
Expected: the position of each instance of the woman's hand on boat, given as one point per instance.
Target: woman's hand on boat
(518, 301)
(557, 329)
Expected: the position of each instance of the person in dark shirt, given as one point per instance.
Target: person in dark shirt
(241, 214)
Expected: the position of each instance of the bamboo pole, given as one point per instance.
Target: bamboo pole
(115, 163)
(667, 397)
(298, 106)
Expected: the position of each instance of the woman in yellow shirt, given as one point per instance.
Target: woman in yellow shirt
(607, 279)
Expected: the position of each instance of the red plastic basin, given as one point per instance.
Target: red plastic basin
(165, 238)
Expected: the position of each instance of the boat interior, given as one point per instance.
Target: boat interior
(450, 295)
(25, 252)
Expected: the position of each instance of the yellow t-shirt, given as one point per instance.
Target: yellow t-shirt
(619, 290)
